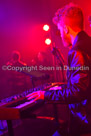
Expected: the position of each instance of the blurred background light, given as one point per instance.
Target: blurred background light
(48, 41)
(46, 27)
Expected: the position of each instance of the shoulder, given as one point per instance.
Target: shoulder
(77, 57)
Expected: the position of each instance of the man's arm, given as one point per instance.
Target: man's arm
(76, 88)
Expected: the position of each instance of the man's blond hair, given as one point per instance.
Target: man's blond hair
(72, 14)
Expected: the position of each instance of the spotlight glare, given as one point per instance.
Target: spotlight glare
(46, 27)
(48, 41)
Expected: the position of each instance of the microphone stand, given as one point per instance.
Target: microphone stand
(60, 59)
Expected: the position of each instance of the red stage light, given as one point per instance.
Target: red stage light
(48, 41)
(46, 27)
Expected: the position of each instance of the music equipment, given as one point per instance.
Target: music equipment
(18, 107)
(14, 106)
(57, 53)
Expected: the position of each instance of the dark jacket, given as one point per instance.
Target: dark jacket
(77, 91)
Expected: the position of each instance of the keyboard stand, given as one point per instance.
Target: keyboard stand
(10, 128)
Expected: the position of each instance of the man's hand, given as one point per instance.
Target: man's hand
(36, 96)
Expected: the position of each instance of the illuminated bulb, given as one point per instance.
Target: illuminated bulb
(46, 27)
(48, 41)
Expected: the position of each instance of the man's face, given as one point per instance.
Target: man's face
(64, 35)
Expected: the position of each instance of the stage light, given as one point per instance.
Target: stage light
(48, 41)
(46, 27)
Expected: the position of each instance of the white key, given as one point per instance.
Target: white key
(24, 104)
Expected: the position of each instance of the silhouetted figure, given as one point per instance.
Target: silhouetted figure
(17, 80)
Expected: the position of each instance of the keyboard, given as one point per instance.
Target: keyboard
(16, 107)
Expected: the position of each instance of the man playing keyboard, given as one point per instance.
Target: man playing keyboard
(77, 92)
